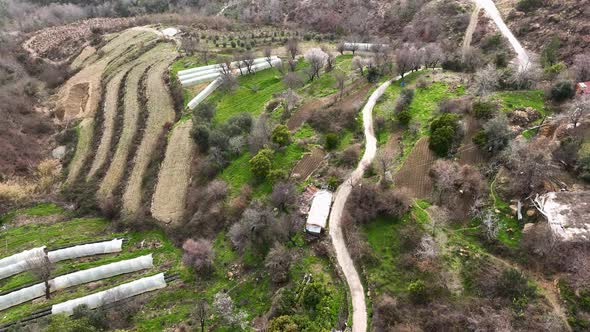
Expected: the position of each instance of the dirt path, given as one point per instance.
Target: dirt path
(160, 111)
(494, 14)
(471, 28)
(169, 198)
(357, 293)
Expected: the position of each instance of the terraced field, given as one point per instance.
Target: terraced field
(170, 196)
(414, 172)
(160, 112)
(132, 109)
(85, 133)
(308, 164)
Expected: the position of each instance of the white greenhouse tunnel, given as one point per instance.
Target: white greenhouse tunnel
(76, 278)
(112, 295)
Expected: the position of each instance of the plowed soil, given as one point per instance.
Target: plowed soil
(308, 164)
(414, 172)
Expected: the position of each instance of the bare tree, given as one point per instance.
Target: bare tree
(228, 81)
(497, 133)
(190, 44)
(433, 55)
(201, 313)
(225, 309)
(203, 49)
(582, 67)
(259, 134)
(404, 59)
(248, 61)
(340, 48)
(283, 195)
(358, 63)
(330, 60)
(292, 64)
(525, 77)
(293, 48)
(239, 61)
(199, 254)
(292, 80)
(486, 80)
(42, 268)
(341, 79)
(277, 263)
(268, 55)
(317, 60)
(353, 47)
(529, 165)
(580, 109)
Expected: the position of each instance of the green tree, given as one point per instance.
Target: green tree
(281, 135)
(562, 90)
(441, 140)
(331, 141)
(549, 55)
(283, 324)
(404, 117)
(261, 163)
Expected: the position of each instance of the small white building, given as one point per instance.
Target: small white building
(317, 218)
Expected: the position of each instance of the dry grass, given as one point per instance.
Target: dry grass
(168, 202)
(160, 112)
(85, 134)
(19, 190)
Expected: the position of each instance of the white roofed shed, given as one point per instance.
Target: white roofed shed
(317, 218)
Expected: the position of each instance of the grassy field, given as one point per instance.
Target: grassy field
(510, 100)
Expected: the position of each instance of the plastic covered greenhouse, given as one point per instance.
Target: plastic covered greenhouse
(83, 250)
(76, 278)
(21, 256)
(112, 295)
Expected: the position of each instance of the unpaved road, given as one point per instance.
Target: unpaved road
(494, 14)
(357, 293)
(471, 28)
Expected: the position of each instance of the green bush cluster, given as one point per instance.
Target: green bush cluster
(443, 133)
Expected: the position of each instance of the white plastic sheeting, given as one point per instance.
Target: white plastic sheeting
(319, 212)
(199, 75)
(76, 278)
(21, 256)
(90, 249)
(114, 294)
(361, 46)
(192, 71)
(10, 270)
(204, 93)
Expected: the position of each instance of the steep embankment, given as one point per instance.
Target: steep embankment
(160, 109)
(132, 110)
(169, 199)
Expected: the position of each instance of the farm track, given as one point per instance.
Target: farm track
(131, 106)
(160, 109)
(469, 153)
(90, 77)
(168, 202)
(414, 172)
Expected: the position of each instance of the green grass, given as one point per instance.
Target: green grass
(253, 92)
(510, 100)
(186, 63)
(326, 84)
(43, 209)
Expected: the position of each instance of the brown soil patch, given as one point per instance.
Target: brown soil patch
(308, 164)
(414, 172)
(360, 88)
(470, 153)
(169, 200)
(75, 102)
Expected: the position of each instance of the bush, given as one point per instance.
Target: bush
(512, 284)
(529, 5)
(373, 74)
(562, 90)
(281, 135)
(441, 140)
(404, 117)
(483, 109)
(200, 134)
(331, 141)
(418, 292)
(198, 254)
(261, 163)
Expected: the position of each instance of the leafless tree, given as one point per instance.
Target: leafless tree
(486, 80)
(292, 64)
(292, 80)
(341, 79)
(257, 227)
(330, 60)
(190, 44)
(472, 58)
(340, 48)
(259, 134)
(201, 313)
(433, 55)
(317, 60)
(283, 195)
(529, 165)
(268, 55)
(457, 185)
(248, 61)
(353, 47)
(582, 67)
(199, 254)
(293, 48)
(579, 110)
(225, 309)
(203, 49)
(428, 248)
(358, 63)
(525, 77)
(498, 133)
(239, 61)
(277, 263)
(228, 81)
(42, 268)
(404, 59)
(290, 99)
(490, 224)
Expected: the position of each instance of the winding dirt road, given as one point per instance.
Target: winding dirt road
(357, 293)
(494, 14)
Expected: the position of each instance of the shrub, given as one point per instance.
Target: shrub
(198, 254)
(200, 134)
(441, 140)
(373, 74)
(261, 163)
(281, 135)
(404, 117)
(277, 263)
(484, 109)
(562, 90)
(529, 5)
(513, 284)
(331, 141)
(418, 292)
